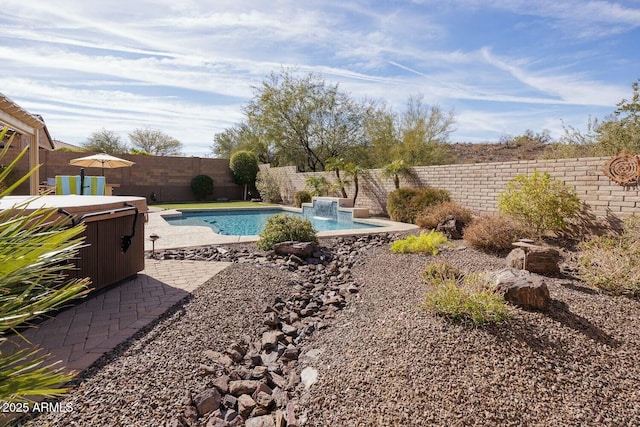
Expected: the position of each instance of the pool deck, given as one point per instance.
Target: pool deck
(173, 236)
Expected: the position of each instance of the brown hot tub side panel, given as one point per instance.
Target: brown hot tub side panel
(102, 260)
(107, 219)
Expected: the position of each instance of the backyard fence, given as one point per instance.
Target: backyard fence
(167, 178)
(476, 186)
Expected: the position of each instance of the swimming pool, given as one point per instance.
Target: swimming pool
(247, 222)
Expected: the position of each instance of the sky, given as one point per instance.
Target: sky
(188, 67)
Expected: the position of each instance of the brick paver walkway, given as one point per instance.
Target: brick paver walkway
(81, 334)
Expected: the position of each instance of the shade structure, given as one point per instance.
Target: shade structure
(101, 160)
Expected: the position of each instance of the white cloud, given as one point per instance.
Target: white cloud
(188, 66)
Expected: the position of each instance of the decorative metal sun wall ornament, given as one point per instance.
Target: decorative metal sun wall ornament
(623, 169)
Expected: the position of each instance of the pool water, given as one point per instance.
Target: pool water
(247, 222)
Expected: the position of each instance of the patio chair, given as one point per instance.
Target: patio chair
(67, 184)
(95, 185)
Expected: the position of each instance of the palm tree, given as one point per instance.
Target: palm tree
(334, 164)
(395, 170)
(35, 251)
(354, 171)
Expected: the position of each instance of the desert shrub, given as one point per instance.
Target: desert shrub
(268, 186)
(405, 204)
(467, 299)
(434, 215)
(202, 186)
(493, 233)
(463, 297)
(612, 262)
(422, 243)
(283, 228)
(539, 202)
(441, 271)
(317, 185)
(301, 197)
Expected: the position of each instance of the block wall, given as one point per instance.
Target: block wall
(477, 186)
(168, 177)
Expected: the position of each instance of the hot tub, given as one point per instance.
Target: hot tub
(114, 233)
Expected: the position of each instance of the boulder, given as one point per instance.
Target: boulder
(240, 387)
(219, 358)
(309, 376)
(270, 339)
(299, 249)
(262, 421)
(521, 288)
(246, 404)
(207, 401)
(536, 259)
(222, 384)
(450, 227)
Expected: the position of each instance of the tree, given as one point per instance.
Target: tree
(382, 130)
(243, 137)
(622, 130)
(155, 142)
(424, 132)
(317, 185)
(307, 120)
(244, 167)
(36, 250)
(354, 171)
(335, 164)
(395, 170)
(619, 131)
(105, 141)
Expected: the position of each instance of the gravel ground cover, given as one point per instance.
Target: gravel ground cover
(143, 383)
(389, 362)
(384, 360)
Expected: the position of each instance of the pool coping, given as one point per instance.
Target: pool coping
(175, 237)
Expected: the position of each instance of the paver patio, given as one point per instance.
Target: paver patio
(81, 334)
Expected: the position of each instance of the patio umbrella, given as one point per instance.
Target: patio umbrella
(101, 160)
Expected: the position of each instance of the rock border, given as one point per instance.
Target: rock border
(257, 381)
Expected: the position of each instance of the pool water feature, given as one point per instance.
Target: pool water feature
(323, 208)
(247, 222)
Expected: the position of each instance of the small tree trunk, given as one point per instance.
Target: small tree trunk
(244, 196)
(355, 193)
(396, 181)
(344, 192)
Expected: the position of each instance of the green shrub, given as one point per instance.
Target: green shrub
(539, 202)
(202, 186)
(268, 185)
(463, 297)
(317, 185)
(612, 263)
(493, 233)
(417, 244)
(244, 168)
(283, 228)
(301, 197)
(405, 204)
(434, 215)
(441, 271)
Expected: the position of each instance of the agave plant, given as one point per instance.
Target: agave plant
(36, 250)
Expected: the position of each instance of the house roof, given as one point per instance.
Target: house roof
(11, 112)
(20, 120)
(61, 144)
